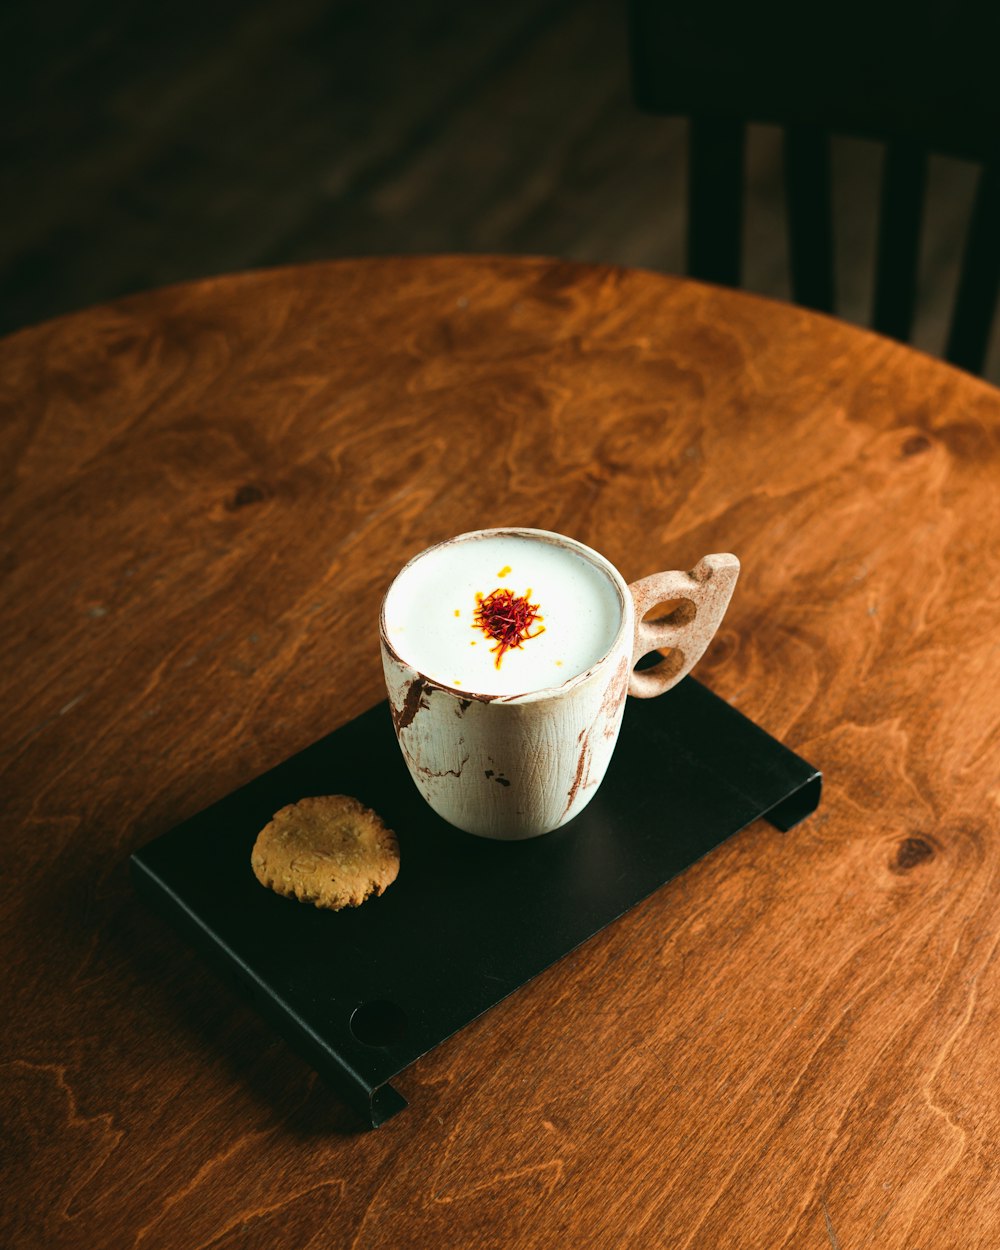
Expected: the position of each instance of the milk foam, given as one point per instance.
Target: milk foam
(430, 614)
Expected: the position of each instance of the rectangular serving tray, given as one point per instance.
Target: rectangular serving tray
(362, 993)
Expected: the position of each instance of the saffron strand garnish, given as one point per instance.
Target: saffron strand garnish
(507, 619)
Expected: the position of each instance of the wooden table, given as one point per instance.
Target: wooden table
(206, 490)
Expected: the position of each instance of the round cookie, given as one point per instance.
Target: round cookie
(330, 850)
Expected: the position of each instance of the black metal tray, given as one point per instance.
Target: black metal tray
(361, 993)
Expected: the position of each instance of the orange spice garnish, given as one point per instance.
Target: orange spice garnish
(507, 619)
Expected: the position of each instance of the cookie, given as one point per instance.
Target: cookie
(331, 851)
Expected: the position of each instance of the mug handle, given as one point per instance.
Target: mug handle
(705, 593)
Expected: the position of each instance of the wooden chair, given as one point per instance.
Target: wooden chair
(922, 79)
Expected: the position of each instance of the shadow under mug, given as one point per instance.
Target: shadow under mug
(516, 766)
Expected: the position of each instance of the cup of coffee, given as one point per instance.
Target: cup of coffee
(508, 654)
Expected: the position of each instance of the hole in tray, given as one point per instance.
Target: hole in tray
(378, 1023)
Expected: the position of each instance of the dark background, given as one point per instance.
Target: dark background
(151, 144)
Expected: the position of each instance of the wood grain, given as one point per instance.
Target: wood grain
(205, 491)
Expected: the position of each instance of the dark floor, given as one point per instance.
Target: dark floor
(154, 143)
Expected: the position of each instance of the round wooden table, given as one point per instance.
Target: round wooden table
(206, 490)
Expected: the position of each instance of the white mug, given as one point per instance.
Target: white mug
(519, 765)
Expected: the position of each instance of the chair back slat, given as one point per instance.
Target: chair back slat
(924, 82)
(810, 217)
(979, 283)
(904, 182)
(715, 200)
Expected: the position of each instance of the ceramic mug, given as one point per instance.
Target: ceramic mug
(475, 758)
